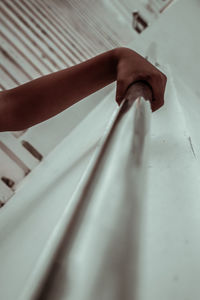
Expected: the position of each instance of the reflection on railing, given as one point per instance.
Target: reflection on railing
(99, 232)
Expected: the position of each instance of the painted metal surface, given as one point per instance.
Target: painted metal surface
(81, 228)
(46, 255)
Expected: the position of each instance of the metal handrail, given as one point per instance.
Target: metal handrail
(81, 223)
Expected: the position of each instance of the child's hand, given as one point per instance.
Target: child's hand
(131, 68)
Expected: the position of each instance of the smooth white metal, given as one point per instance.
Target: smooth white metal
(99, 231)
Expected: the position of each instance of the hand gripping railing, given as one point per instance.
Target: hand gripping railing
(98, 236)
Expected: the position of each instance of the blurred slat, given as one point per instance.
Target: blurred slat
(12, 143)
(5, 194)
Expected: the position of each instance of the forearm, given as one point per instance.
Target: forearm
(47, 96)
(43, 98)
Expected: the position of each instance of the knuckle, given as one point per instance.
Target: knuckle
(164, 77)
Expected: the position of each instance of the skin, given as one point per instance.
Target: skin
(45, 97)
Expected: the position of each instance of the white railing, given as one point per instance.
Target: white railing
(99, 232)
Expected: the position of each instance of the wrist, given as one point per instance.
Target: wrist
(121, 52)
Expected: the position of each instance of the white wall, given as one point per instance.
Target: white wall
(176, 43)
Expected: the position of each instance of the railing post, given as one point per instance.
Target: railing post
(98, 236)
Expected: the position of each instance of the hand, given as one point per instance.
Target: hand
(132, 67)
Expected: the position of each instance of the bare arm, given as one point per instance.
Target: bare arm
(42, 98)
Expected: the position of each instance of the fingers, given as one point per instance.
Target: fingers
(157, 81)
(158, 84)
(122, 86)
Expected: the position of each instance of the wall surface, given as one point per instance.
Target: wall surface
(174, 41)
